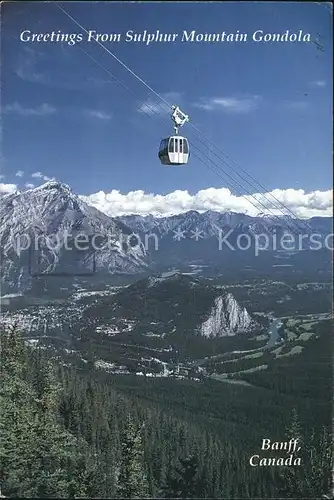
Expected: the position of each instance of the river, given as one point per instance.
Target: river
(273, 332)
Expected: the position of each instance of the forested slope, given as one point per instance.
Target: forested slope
(68, 434)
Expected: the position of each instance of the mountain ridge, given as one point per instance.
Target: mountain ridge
(175, 305)
(40, 230)
(133, 244)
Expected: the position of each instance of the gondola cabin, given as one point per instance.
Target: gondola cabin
(174, 151)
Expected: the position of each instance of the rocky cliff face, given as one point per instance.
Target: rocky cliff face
(49, 230)
(226, 318)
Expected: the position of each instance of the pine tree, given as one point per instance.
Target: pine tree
(313, 478)
(184, 481)
(132, 482)
(320, 456)
(38, 456)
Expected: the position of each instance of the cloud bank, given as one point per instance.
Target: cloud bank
(301, 203)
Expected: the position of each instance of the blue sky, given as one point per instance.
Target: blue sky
(269, 106)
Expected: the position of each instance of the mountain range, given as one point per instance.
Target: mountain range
(50, 231)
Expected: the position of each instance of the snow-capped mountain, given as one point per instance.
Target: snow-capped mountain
(49, 230)
(210, 238)
(207, 222)
(210, 222)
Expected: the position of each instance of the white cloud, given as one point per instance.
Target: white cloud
(42, 110)
(319, 83)
(229, 104)
(26, 66)
(157, 106)
(101, 115)
(302, 204)
(39, 175)
(28, 185)
(7, 188)
(19, 173)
